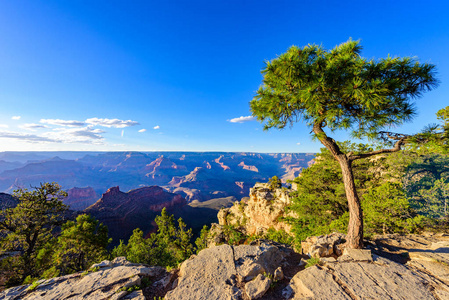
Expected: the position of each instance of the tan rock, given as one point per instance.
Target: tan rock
(135, 295)
(263, 210)
(251, 261)
(257, 287)
(314, 283)
(357, 255)
(382, 279)
(323, 246)
(102, 284)
(205, 276)
(103, 264)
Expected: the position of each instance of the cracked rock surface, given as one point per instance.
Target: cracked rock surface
(106, 283)
(227, 272)
(425, 275)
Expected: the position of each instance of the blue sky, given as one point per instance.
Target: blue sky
(170, 75)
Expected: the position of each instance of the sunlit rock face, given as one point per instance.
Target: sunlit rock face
(263, 210)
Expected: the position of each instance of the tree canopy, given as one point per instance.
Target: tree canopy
(339, 89)
(27, 227)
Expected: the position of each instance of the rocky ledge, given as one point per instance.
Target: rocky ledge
(118, 279)
(392, 267)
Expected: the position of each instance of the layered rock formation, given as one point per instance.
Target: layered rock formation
(7, 201)
(264, 209)
(80, 198)
(122, 212)
(221, 174)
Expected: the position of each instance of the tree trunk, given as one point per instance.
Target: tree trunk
(355, 228)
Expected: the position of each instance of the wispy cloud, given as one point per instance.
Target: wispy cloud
(298, 143)
(142, 130)
(68, 123)
(242, 119)
(156, 127)
(67, 131)
(33, 126)
(77, 133)
(15, 117)
(123, 133)
(116, 123)
(3, 126)
(25, 137)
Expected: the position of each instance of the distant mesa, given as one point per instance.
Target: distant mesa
(249, 168)
(122, 212)
(225, 167)
(80, 198)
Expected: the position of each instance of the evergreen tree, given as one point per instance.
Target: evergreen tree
(201, 241)
(340, 90)
(28, 227)
(274, 183)
(169, 246)
(320, 203)
(80, 244)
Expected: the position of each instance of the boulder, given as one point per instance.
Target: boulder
(219, 272)
(324, 245)
(251, 261)
(257, 287)
(207, 276)
(103, 264)
(278, 274)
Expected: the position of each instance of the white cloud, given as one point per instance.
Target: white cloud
(32, 126)
(69, 123)
(242, 119)
(3, 126)
(85, 135)
(15, 117)
(142, 130)
(298, 143)
(25, 137)
(116, 123)
(156, 127)
(123, 133)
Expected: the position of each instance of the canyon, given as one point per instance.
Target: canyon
(194, 175)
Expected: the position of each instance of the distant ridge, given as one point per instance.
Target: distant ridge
(193, 175)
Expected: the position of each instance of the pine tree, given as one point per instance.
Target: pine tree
(338, 89)
(28, 227)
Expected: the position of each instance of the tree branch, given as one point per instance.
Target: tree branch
(328, 142)
(400, 141)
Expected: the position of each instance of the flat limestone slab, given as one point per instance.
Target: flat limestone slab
(357, 255)
(316, 283)
(102, 284)
(381, 279)
(205, 276)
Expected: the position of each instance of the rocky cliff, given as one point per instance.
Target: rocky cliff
(80, 198)
(7, 201)
(122, 212)
(264, 209)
